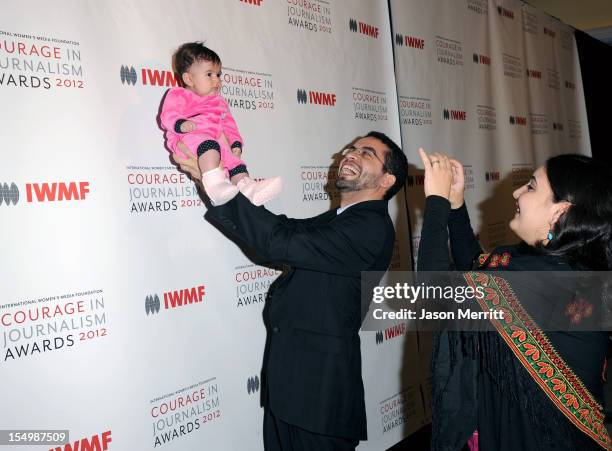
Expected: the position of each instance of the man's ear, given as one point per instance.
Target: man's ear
(187, 79)
(387, 181)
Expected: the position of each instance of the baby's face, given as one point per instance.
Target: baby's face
(203, 78)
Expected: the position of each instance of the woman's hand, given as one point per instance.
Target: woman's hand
(457, 187)
(438, 174)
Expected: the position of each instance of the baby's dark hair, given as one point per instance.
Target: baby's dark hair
(189, 53)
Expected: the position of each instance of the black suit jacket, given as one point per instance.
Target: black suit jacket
(312, 366)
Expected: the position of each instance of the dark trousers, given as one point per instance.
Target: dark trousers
(281, 436)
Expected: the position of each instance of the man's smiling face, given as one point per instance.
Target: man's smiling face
(362, 166)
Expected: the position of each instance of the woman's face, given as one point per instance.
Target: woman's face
(536, 213)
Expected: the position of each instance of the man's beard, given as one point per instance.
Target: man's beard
(359, 184)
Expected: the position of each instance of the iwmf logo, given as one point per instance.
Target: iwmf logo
(518, 120)
(152, 77)
(505, 12)
(9, 194)
(175, 299)
(532, 73)
(481, 59)
(493, 176)
(363, 28)
(253, 385)
(455, 115)
(316, 97)
(44, 192)
(152, 304)
(98, 442)
(390, 333)
(409, 41)
(379, 337)
(128, 75)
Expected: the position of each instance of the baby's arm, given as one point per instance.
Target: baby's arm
(231, 131)
(174, 112)
(186, 126)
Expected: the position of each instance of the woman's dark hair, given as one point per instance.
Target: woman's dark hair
(189, 53)
(583, 233)
(396, 162)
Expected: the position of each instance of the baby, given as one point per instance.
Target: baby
(197, 118)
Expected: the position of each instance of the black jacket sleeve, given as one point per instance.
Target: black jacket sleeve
(345, 245)
(464, 245)
(433, 247)
(454, 369)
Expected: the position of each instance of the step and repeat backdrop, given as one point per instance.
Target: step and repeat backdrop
(495, 84)
(127, 319)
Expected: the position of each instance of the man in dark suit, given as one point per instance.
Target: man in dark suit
(314, 395)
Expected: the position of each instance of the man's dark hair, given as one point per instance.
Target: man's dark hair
(396, 162)
(189, 53)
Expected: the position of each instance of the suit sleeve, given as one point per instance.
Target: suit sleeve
(345, 246)
(173, 109)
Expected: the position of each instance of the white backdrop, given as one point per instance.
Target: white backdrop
(497, 85)
(104, 240)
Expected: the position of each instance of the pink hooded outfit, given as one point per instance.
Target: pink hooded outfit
(213, 119)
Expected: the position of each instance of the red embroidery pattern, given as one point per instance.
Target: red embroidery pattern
(578, 310)
(537, 355)
(497, 260)
(482, 258)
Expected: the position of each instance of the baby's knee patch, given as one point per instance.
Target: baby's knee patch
(208, 145)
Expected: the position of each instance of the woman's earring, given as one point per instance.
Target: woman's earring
(549, 237)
